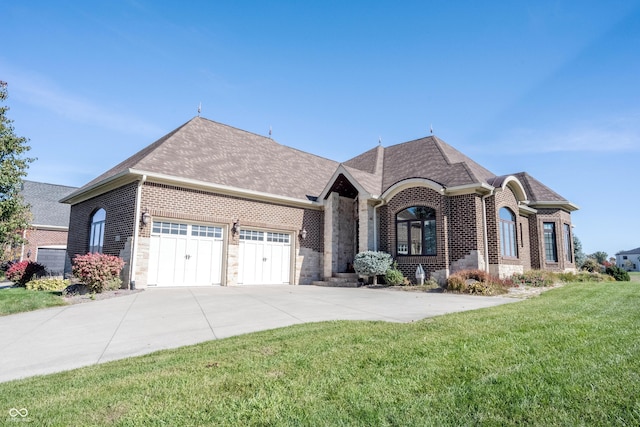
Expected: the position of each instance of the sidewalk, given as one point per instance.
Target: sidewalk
(62, 338)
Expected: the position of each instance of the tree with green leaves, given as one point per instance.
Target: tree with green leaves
(578, 255)
(14, 213)
(599, 256)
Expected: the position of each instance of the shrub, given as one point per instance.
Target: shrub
(49, 284)
(583, 276)
(98, 271)
(22, 272)
(394, 277)
(371, 263)
(591, 265)
(536, 278)
(620, 274)
(477, 282)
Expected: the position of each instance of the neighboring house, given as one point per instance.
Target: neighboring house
(211, 204)
(46, 237)
(629, 260)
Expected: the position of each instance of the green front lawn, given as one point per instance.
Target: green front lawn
(568, 357)
(16, 300)
(635, 276)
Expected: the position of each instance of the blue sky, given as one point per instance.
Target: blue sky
(547, 87)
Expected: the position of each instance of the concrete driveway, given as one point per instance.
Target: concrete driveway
(62, 338)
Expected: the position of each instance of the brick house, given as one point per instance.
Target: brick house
(212, 204)
(46, 237)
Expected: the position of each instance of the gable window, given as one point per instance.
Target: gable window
(96, 238)
(508, 240)
(550, 249)
(416, 231)
(568, 253)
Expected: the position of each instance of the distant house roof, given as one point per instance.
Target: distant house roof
(212, 152)
(44, 203)
(631, 252)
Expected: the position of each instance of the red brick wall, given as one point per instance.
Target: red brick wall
(465, 226)
(38, 238)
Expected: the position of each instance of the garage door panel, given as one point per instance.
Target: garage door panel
(185, 255)
(265, 257)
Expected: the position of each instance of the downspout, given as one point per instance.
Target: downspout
(485, 229)
(136, 227)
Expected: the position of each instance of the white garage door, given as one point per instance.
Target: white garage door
(185, 255)
(265, 258)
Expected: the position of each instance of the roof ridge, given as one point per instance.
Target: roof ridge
(266, 138)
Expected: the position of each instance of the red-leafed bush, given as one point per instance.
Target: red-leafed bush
(98, 272)
(21, 272)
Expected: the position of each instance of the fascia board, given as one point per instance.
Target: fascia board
(566, 205)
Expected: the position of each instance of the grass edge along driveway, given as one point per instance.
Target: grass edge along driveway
(568, 357)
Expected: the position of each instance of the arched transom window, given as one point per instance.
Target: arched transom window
(508, 245)
(96, 238)
(416, 231)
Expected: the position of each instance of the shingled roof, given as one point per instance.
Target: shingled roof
(205, 151)
(211, 152)
(44, 203)
(537, 191)
(428, 157)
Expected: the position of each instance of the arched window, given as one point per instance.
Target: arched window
(416, 231)
(96, 238)
(508, 240)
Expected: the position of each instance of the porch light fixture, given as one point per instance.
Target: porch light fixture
(236, 227)
(303, 233)
(146, 217)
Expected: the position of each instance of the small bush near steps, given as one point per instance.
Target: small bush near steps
(371, 263)
(98, 272)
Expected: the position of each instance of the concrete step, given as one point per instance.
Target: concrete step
(351, 276)
(334, 284)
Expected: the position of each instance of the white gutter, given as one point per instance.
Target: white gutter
(134, 252)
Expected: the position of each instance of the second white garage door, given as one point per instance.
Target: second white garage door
(185, 255)
(265, 258)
